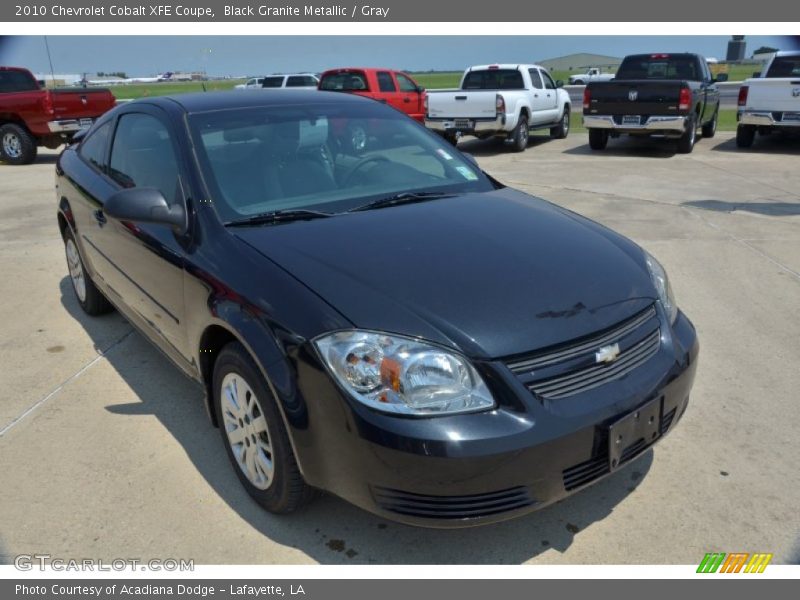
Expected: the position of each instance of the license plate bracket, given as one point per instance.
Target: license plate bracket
(639, 428)
(462, 124)
(631, 119)
(85, 123)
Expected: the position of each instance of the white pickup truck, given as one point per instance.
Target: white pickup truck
(770, 102)
(502, 101)
(593, 74)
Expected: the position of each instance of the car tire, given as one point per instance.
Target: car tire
(598, 139)
(254, 435)
(451, 137)
(745, 135)
(520, 136)
(89, 297)
(578, 82)
(561, 131)
(17, 146)
(687, 140)
(710, 128)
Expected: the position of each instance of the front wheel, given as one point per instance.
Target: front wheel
(17, 146)
(687, 140)
(254, 435)
(520, 137)
(710, 128)
(561, 131)
(745, 134)
(598, 139)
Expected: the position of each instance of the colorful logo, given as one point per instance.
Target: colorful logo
(736, 562)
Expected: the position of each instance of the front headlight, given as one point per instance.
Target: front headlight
(403, 376)
(664, 289)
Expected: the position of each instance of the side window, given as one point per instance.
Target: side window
(385, 82)
(296, 81)
(548, 82)
(142, 155)
(406, 85)
(93, 148)
(536, 79)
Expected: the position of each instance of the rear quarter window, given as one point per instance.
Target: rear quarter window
(272, 82)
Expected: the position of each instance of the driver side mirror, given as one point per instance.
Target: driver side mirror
(145, 205)
(722, 77)
(420, 89)
(559, 83)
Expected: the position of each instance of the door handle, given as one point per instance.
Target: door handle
(406, 100)
(100, 217)
(536, 95)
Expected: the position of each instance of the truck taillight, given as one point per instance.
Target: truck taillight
(685, 99)
(587, 98)
(425, 103)
(47, 103)
(500, 104)
(743, 95)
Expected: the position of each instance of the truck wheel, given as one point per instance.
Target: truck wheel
(17, 146)
(521, 134)
(562, 130)
(578, 82)
(745, 134)
(710, 128)
(687, 140)
(598, 139)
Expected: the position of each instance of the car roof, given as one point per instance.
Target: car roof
(788, 53)
(208, 101)
(512, 66)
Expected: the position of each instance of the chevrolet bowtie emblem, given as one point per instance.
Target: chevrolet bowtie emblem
(607, 354)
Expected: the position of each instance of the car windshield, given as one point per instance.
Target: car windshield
(659, 66)
(494, 79)
(785, 66)
(325, 157)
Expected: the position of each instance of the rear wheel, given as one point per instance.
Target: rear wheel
(745, 134)
(89, 297)
(687, 140)
(598, 139)
(520, 137)
(710, 128)
(17, 146)
(562, 129)
(254, 435)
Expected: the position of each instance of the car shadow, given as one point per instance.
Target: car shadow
(330, 530)
(770, 209)
(763, 144)
(631, 147)
(495, 146)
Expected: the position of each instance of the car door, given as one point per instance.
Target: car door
(711, 92)
(148, 259)
(387, 90)
(550, 113)
(411, 96)
(539, 105)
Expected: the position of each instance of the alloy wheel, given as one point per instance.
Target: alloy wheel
(75, 270)
(12, 145)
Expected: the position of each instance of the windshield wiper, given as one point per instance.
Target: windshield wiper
(401, 198)
(279, 216)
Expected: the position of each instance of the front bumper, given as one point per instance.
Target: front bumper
(479, 468)
(69, 125)
(500, 123)
(652, 124)
(766, 119)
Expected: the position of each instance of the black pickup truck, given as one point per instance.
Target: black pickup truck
(668, 95)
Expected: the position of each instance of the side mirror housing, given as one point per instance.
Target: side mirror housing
(722, 77)
(420, 89)
(559, 83)
(145, 205)
(756, 74)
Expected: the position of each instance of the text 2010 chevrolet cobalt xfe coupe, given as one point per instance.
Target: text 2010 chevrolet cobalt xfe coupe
(380, 320)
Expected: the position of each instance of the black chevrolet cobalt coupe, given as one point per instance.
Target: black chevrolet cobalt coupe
(371, 314)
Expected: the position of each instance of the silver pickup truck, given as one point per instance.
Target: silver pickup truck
(505, 101)
(770, 102)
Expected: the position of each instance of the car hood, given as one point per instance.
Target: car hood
(494, 274)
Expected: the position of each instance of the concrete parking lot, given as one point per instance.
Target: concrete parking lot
(106, 450)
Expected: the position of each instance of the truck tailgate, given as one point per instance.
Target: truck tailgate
(462, 104)
(634, 97)
(774, 94)
(81, 103)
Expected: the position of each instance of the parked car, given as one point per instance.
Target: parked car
(396, 327)
(507, 101)
(31, 116)
(290, 80)
(770, 102)
(593, 74)
(251, 84)
(670, 95)
(395, 88)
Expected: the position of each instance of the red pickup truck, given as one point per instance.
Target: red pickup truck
(31, 116)
(395, 88)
